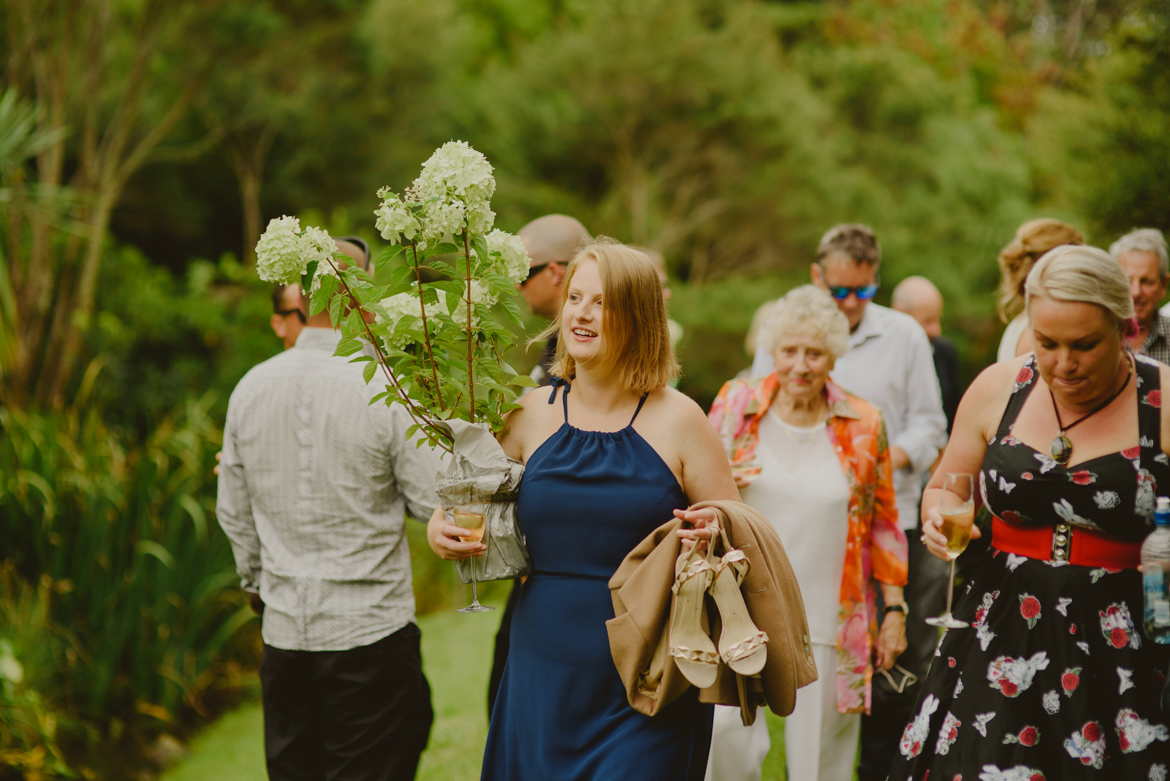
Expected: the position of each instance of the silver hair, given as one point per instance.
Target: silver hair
(806, 310)
(1144, 240)
(1085, 275)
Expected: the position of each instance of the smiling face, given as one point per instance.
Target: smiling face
(1146, 285)
(582, 315)
(803, 363)
(1078, 349)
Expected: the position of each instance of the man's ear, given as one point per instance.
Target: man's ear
(558, 271)
(818, 278)
(279, 326)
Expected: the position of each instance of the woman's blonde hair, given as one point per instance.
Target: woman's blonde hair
(637, 339)
(1032, 240)
(806, 310)
(1085, 275)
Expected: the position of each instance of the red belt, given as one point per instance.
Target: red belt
(1063, 542)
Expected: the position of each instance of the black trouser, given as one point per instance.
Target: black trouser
(926, 595)
(503, 642)
(355, 715)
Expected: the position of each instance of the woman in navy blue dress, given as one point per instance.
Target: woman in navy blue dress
(611, 453)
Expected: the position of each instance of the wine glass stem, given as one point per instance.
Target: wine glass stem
(475, 589)
(951, 587)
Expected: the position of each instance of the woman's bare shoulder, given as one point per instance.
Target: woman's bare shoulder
(521, 424)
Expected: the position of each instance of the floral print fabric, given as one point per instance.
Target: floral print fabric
(875, 546)
(1053, 680)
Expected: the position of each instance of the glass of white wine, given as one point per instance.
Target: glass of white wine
(472, 517)
(958, 516)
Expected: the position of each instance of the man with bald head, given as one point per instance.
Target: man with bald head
(919, 298)
(551, 241)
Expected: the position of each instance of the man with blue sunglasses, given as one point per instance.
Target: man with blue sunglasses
(890, 364)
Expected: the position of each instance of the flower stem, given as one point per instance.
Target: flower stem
(470, 373)
(426, 332)
(407, 402)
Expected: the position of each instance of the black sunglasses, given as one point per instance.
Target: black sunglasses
(533, 271)
(286, 312)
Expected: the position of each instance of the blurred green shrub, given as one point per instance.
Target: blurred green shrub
(134, 581)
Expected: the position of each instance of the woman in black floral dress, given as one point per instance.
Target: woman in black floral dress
(1054, 679)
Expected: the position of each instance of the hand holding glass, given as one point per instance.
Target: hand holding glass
(471, 518)
(957, 507)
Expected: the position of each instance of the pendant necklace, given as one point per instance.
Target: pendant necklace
(1061, 447)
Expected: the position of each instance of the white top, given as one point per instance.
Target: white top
(803, 491)
(890, 365)
(1011, 338)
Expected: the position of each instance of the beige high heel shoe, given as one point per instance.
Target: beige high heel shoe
(692, 649)
(742, 645)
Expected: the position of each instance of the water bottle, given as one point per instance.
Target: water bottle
(1156, 575)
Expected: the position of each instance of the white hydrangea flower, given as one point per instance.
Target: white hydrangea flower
(406, 305)
(280, 253)
(457, 169)
(480, 294)
(512, 254)
(480, 217)
(442, 218)
(394, 219)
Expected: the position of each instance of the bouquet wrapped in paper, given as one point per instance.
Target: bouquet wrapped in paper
(427, 324)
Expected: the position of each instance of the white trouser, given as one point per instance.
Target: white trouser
(820, 744)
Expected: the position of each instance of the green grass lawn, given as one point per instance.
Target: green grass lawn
(457, 655)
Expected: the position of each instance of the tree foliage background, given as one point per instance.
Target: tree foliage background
(144, 144)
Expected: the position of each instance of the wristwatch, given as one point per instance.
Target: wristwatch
(900, 607)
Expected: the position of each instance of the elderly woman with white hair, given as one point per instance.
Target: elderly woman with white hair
(814, 460)
(1053, 678)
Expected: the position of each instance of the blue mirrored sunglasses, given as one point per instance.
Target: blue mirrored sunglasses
(863, 293)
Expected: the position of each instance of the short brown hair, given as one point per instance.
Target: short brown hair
(851, 240)
(1032, 240)
(638, 348)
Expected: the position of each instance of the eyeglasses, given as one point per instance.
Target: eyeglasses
(534, 270)
(863, 292)
(286, 312)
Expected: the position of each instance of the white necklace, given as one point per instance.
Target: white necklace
(802, 435)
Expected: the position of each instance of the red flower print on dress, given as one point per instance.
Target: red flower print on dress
(1008, 688)
(950, 661)
(1154, 398)
(1012, 517)
(1070, 680)
(1131, 452)
(1087, 744)
(1030, 609)
(1091, 731)
(1117, 626)
(1024, 377)
(1072, 629)
(1025, 737)
(1083, 477)
(1026, 475)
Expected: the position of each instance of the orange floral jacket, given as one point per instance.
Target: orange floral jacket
(875, 548)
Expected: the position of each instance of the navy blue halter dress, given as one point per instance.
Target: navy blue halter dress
(587, 499)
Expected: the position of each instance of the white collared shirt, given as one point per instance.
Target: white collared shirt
(890, 365)
(313, 486)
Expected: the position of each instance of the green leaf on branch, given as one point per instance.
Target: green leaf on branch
(369, 372)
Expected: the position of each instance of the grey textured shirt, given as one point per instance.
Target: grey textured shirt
(1157, 345)
(313, 486)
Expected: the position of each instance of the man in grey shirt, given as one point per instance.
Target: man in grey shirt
(313, 488)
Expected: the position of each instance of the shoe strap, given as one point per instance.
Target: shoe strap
(745, 647)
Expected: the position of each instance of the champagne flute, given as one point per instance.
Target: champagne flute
(957, 506)
(472, 517)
